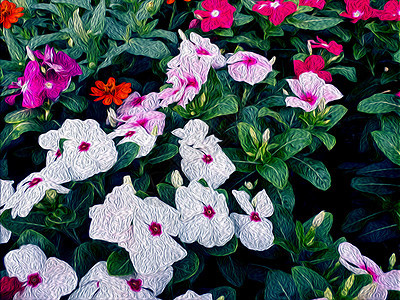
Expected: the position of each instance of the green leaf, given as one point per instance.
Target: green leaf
(242, 19)
(167, 193)
(81, 3)
(229, 248)
(73, 102)
(348, 72)
(21, 115)
(265, 111)
(284, 197)
(186, 268)
(13, 132)
(162, 153)
(384, 169)
(16, 51)
(98, 19)
(79, 200)
(378, 186)
(232, 270)
(322, 231)
(327, 139)
(127, 152)
(222, 106)
(142, 183)
(379, 104)
(39, 40)
(224, 291)
(279, 286)
(356, 219)
(239, 159)
(304, 21)
(35, 221)
(359, 51)
(33, 237)
(275, 171)
(335, 113)
(308, 282)
(290, 142)
(311, 170)
(161, 33)
(250, 138)
(147, 47)
(360, 281)
(284, 227)
(87, 255)
(119, 263)
(389, 144)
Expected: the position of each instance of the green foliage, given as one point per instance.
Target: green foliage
(186, 268)
(119, 263)
(308, 282)
(127, 152)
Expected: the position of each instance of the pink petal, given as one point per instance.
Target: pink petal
(297, 102)
(331, 93)
(295, 86)
(390, 280)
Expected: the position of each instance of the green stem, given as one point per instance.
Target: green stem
(172, 15)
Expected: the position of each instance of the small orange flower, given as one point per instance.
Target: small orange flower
(109, 92)
(172, 1)
(9, 13)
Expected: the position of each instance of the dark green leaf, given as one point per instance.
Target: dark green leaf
(232, 270)
(279, 286)
(304, 21)
(74, 102)
(186, 268)
(389, 144)
(127, 152)
(223, 106)
(239, 158)
(35, 221)
(162, 153)
(327, 139)
(98, 19)
(290, 142)
(30, 236)
(21, 115)
(119, 263)
(335, 113)
(379, 104)
(13, 132)
(250, 138)
(147, 47)
(87, 255)
(308, 282)
(227, 249)
(224, 291)
(81, 3)
(284, 197)
(348, 72)
(242, 19)
(167, 193)
(378, 186)
(275, 171)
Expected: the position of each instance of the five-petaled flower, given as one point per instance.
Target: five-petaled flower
(390, 12)
(110, 92)
(358, 10)
(332, 46)
(309, 90)
(313, 63)
(217, 14)
(254, 229)
(276, 10)
(352, 259)
(41, 277)
(9, 13)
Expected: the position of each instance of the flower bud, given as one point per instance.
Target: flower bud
(198, 17)
(249, 185)
(70, 42)
(92, 65)
(322, 104)
(176, 179)
(309, 46)
(127, 180)
(266, 136)
(347, 285)
(272, 61)
(285, 92)
(367, 291)
(328, 294)
(318, 219)
(392, 261)
(182, 35)
(385, 69)
(51, 195)
(150, 6)
(111, 117)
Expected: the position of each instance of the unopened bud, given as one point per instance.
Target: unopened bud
(221, 298)
(322, 104)
(385, 69)
(198, 17)
(92, 65)
(367, 291)
(347, 285)
(182, 35)
(150, 6)
(392, 261)
(318, 219)
(328, 294)
(253, 136)
(249, 185)
(202, 99)
(285, 92)
(266, 136)
(127, 180)
(70, 42)
(111, 117)
(155, 130)
(176, 179)
(43, 69)
(51, 194)
(272, 61)
(309, 46)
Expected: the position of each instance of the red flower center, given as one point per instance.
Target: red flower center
(142, 122)
(58, 153)
(130, 133)
(137, 101)
(207, 158)
(202, 51)
(9, 286)
(84, 147)
(209, 212)
(370, 272)
(34, 279)
(155, 229)
(34, 181)
(255, 217)
(249, 61)
(135, 284)
(191, 82)
(309, 98)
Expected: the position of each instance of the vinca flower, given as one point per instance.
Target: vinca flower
(254, 229)
(313, 63)
(192, 295)
(358, 10)
(9, 13)
(313, 3)
(332, 46)
(352, 259)
(309, 90)
(41, 277)
(97, 284)
(217, 14)
(276, 10)
(204, 215)
(248, 67)
(6, 191)
(390, 12)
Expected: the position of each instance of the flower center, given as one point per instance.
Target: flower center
(155, 229)
(370, 272)
(34, 182)
(130, 133)
(209, 212)
(207, 158)
(357, 13)
(142, 122)
(34, 279)
(84, 147)
(58, 153)
(137, 101)
(309, 98)
(135, 284)
(191, 82)
(275, 4)
(249, 61)
(215, 13)
(255, 217)
(202, 51)
(49, 85)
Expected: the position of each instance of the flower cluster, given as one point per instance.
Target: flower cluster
(362, 10)
(217, 14)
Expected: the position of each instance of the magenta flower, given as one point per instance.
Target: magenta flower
(313, 63)
(358, 10)
(313, 3)
(390, 12)
(309, 90)
(332, 46)
(153, 121)
(276, 10)
(248, 67)
(55, 84)
(217, 14)
(352, 259)
(31, 86)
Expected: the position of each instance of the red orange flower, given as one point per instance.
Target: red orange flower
(110, 92)
(9, 13)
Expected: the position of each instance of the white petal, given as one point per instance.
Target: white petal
(194, 131)
(263, 204)
(192, 295)
(390, 280)
(243, 199)
(331, 93)
(158, 281)
(49, 140)
(257, 235)
(239, 222)
(5, 235)
(6, 190)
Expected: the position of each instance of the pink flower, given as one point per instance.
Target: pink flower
(313, 3)
(218, 14)
(390, 12)
(309, 90)
(248, 67)
(332, 46)
(135, 104)
(276, 10)
(149, 120)
(398, 94)
(313, 63)
(352, 259)
(358, 10)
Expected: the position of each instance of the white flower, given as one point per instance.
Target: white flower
(6, 191)
(204, 215)
(254, 229)
(97, 284)
(87, 150)
(137, 135)
(44, 278)
(29, 192)
(192, 295)
(202, 157)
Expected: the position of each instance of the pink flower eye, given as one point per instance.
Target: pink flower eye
(130, 133)
(209, 212)
(84, 147)
(135, 284)
(34, 182)
(155, 229)
(255, 217)
(207, 158)
(34, 279)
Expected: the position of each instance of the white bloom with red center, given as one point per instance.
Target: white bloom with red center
(87, 151)
(192, 295)
(137, 135)
(309, 90)
(30, 191)
(43, 278)
(204, 215)
(97, 284)
(254, 229)
(248, 67)
(6, 191)
(152, 247)
(352, 259)
(195, 131)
